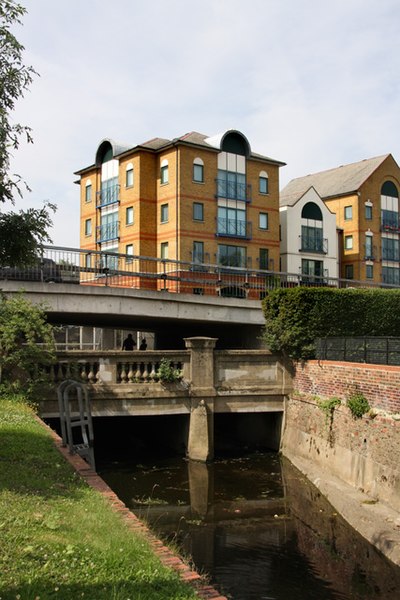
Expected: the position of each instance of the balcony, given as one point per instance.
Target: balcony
(234, 228)
(107, 196)
(233, 190)
(311, 244)
(107, 233)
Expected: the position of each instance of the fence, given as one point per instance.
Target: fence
(94, 267)
(373, 350)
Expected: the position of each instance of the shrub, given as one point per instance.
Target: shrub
(167, 373)
(295, 317)
(358, 405)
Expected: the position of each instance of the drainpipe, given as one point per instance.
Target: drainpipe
(176, 204)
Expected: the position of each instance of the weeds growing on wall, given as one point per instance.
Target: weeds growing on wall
(167, 373)
(358, 405)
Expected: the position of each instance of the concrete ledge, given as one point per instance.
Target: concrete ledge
(378, 523)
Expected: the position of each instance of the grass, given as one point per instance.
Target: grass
(60, 538)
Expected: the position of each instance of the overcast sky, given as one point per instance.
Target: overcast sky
(313, 84)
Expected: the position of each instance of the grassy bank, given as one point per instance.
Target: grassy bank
(58, 537)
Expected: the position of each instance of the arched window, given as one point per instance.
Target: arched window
(235, 142)
(198, 170)
(389, 207)
(129, 175)
(311, 211)
(164, 171)
(263, 182)
(389, 189)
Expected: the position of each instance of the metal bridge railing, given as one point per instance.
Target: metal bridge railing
(100, 268)
(373, 350)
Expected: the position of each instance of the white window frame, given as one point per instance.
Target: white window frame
(129, 175)
(164, 172)
(129, 215)
(261, 216)
(348, 242)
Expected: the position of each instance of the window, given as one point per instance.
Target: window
(129, 252)
(368, 247)
(198, 211)
(88, 191)
(368, 211)
(390, 249)
(164, 213)
(348, 213)
(312, 268)
(348, 242)
(263, 258)
(232, 256)
(109, 228)
(263, 220)
(88, 261)
(231, 219)
(348, 271)
(164, 250)
(369, 272)
(88, 227)
(198, 252)
(164, 171)
(312, 240)
(198, 170)
(129, 215)
(263, 183)
(391, 275)
(129, 175)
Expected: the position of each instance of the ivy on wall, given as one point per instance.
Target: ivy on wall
(295, 317)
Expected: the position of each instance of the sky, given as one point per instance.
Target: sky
(312, 84)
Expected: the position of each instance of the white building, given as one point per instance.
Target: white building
(309, 238)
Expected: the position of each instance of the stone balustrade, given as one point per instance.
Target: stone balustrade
(210, 381)
(134, 367)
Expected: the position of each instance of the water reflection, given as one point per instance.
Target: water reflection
(257, 527)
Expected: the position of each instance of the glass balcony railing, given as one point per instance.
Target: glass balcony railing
(106, 233)
(233, 190)
(233, 228)
(107, 196)
(312, 244)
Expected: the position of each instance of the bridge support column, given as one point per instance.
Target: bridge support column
(202, 392)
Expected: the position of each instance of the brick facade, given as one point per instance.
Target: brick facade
(380, 384)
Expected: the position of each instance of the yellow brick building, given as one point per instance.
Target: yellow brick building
(365, 198)
(194, 198)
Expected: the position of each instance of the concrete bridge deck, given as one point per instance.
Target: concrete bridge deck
(236, 322)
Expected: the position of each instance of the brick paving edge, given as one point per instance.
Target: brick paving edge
(165, 555)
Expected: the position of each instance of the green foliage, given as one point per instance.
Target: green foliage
(15, 79)
(22, 233)
(358, 405)
(295, 317)
(51, 543)
(329, 405)
(26, 341)
(167, 373)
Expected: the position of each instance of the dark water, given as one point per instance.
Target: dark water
(257, 527)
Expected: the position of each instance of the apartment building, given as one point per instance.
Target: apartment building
(194, 198)
(365, 199)
(309, 238)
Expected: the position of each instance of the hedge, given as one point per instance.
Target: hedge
(295, 317)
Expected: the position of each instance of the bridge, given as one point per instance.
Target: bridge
(236, 322)
(211, 382)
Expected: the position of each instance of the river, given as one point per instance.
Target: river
(256, 526)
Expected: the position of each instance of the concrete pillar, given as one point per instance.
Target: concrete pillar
(202, 393)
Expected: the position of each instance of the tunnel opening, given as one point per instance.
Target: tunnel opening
(140, 437)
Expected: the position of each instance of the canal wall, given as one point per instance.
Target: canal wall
(361, 452)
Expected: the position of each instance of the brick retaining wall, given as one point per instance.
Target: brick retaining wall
(379, 383)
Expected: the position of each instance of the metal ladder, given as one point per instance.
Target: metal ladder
(75, 412)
